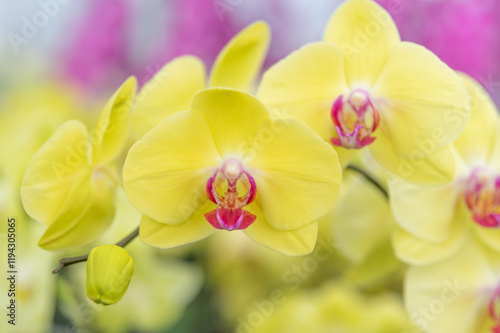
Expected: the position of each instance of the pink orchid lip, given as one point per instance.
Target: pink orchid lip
(482, 197)
(354, 134)
(229, 214)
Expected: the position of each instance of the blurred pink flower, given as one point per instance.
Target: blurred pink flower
(463, 33)
(199, 28)
(98, 47)
(202, 27)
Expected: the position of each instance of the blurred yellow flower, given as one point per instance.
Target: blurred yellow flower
(330, 308)
(173, 87)
(70, 182)
(363, 87)
(469, 204)
(25, 123)
(459, 294)
(363, 235)
(225, 164)
(261, 271)
(34, 290)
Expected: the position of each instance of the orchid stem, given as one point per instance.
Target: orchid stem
(368, 177)
(73, 260)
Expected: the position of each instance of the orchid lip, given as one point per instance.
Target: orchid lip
(229, 214)
(355, 119)
(482, 197)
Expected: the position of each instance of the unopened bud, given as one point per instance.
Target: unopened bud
(109, 270)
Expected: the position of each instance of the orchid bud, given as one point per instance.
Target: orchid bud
(109, 270)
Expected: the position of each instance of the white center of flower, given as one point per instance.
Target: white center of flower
(232, 169)
(358, 99)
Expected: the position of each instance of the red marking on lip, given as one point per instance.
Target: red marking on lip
(482, 197)
(229, 214)
(355, 121)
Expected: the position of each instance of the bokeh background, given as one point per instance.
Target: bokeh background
(61, 59)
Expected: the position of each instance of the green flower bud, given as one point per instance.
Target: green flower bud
(109, 270)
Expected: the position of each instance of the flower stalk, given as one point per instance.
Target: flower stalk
(73, 260)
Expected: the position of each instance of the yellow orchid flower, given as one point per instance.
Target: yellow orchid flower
(460, 294)
(363, 87)
(70, 182)
(225, 164)
(173, 87)
(435, 220)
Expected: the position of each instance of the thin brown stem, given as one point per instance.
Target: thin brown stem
(69, 261)
(369, 178)
(73, 260)
(128, 238)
